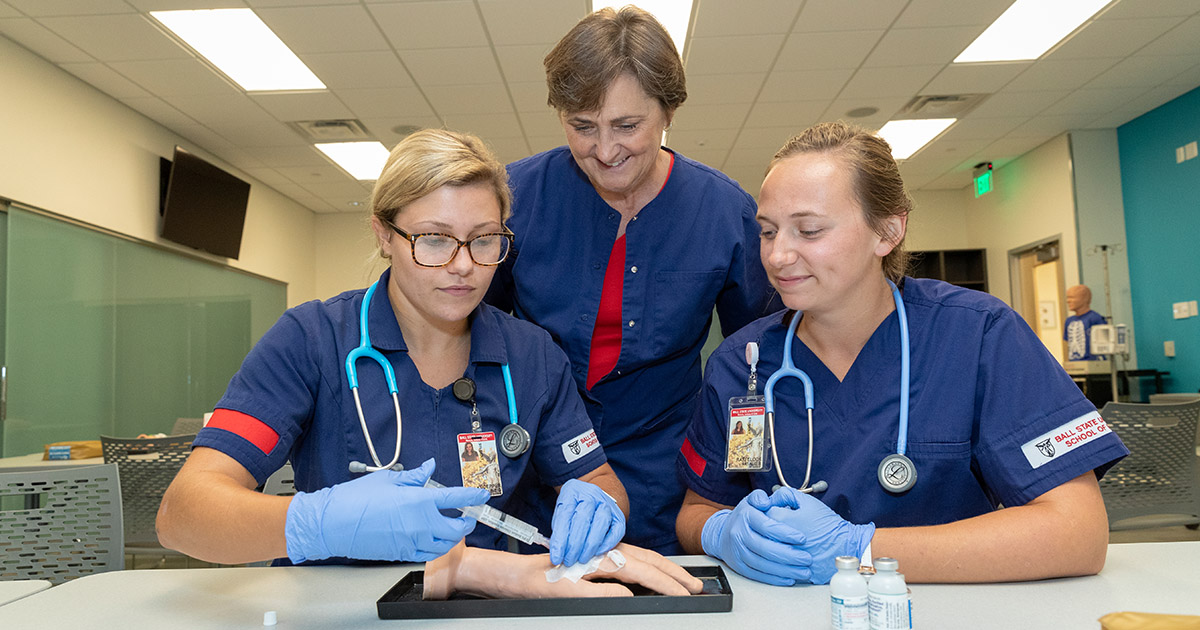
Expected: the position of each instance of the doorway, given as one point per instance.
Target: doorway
(1037, 285)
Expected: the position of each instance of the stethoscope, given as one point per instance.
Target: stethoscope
(514, 439)
(896, 472)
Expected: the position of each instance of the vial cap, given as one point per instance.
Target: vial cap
(846, 562)
(886, 564)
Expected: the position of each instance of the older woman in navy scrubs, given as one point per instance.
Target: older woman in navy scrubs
(438, 215)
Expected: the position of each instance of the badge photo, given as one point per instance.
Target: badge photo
(478, 462)
(747, 440)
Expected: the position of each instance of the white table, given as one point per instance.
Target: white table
(13, 590)
(1146, 577)
(35, 459)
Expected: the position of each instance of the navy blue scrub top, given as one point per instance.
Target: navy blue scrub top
(294, 380)
(692, 247)
(985, 391)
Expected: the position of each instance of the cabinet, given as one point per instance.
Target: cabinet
(961, 267)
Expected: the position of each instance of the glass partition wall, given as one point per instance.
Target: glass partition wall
(108, 334)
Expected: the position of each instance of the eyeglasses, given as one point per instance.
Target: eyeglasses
(434, 249)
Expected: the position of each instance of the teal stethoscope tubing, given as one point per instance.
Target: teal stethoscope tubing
(366, 351)
(788, 369)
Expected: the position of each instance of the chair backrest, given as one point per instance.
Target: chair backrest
(60, 523)
(1160, 477)
(147, 467)
(186, 426)
(281, 483)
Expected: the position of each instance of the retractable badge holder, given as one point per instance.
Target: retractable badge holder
(514, 439)
(747, 439)
(464, 390)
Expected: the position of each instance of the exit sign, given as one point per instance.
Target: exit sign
(983, 178)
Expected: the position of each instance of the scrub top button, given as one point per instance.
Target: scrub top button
(595, 265)
(631, 323)
(633, 269)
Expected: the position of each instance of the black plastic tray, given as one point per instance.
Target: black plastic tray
(403, 601)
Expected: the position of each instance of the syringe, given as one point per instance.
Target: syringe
(499, 521)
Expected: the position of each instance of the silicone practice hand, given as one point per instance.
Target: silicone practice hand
(827, 534)
(586, 523)
(385, 515)
(755, 545)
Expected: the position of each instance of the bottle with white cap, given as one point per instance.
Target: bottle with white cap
(887, 593)
(848, 596)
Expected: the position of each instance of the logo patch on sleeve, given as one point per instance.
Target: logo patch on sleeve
(1058, 442)
(580, 445)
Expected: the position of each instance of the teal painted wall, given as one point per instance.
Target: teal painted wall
(1162, 226)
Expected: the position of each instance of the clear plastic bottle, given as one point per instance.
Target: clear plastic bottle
(848, 596)
(890, 606)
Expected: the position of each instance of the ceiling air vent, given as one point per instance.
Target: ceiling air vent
(332, 130)
(940, 106)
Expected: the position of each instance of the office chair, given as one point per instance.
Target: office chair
(186, 426)
(281, 483)
(58, 523)
(1158, 484)
(147, 467)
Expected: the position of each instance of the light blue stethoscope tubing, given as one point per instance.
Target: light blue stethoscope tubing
(788, 368)
(366, 350)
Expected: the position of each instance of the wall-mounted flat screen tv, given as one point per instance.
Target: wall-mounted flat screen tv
(203, 206)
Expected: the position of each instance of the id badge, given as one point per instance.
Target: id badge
(478, 462)
(747, 441)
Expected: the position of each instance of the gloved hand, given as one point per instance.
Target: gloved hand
(755, 545)
(385, 515)
(586, 523)
(827, 534)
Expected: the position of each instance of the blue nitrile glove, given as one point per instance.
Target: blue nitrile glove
(385, 515)
(827, 534)
(756, 546)
(586, 523)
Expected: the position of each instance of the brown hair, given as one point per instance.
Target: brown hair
(876, 178)
(429, 159)
(603, 46)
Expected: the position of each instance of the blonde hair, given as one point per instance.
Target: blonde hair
(603, 46)
(429, 159)
(875, 178)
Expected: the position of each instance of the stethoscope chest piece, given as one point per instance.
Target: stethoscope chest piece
(897, 473)
(514, 440)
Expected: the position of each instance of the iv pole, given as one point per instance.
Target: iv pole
(1103, 250)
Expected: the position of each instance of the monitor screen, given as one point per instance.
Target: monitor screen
(204, 207)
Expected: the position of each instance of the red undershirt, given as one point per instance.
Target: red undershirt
(606, 335)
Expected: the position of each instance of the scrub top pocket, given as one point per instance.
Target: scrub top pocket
(678, 314)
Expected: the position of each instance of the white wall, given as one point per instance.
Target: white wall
(70, 149)
(1033, 200)
(346, 256)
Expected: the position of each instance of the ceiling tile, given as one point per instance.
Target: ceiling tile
(974, 127)
(1151, 8)
(7, 11)
(523, 63)
(766, 139)
(302, 106)
(175, 77)
(272, 178)
(916, 46)
(529, 96)
(105, 79)
(178, 5)
(899, 81)
(887, 106)
(344, 188)
(204, 137)
(385, 102)
(442, 24)
(314, 175)
(1093, 101)
(1010, 103)
(508, 149)
(720, 89)
(688, 142)
(713, 158)
(544, 143)
(1142, 71)
(1008, 149)
(492, 125)
(299, 154)
(116, 37)
(386, 129)
(229, 110)
(1189, 78)
(1113, 119)
(740, 53)
(974, 78)
(291, 3)
(807, 86)
(1113, 38)
(724, 116)
(42, 41)
(1158, 96)
(46, 8)
(949, 181)
(377, 69)
(159, 111)
(468, 99)
(1180, 40)
(325, 29)
(796, 114)
(544, 123)
(730, 17)
(530, 21)
(451, 66)
(839, 15)
(1046, 127)
(1055, 74)
(923, 13)
(819, 51)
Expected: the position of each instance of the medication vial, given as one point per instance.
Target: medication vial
(848, 596)
(888, 599)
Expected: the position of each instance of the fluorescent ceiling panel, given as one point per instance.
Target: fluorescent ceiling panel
(363, 160)
(908, 136)
(1029, 28)
(673, 14)
(240, 45)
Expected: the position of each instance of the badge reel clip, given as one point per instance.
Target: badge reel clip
(747, 439)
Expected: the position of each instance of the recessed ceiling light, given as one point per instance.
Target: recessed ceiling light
(1028, 29)
(240, 45)
(674, 15)
(862, 112)
(908, 136)
(363, 160)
